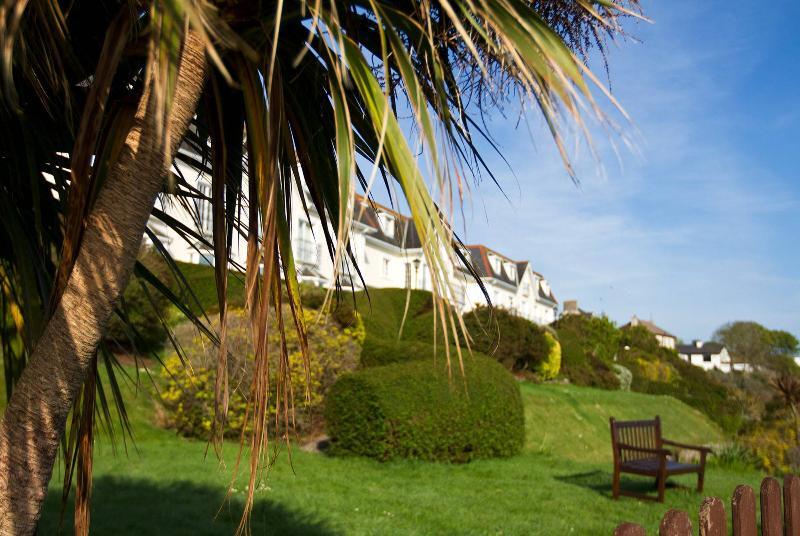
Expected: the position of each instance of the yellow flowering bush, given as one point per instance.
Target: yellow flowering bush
(189, 392)
(550, 366)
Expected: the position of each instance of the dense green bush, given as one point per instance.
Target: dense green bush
(417, 410)
(137, 323)
(188, 394)
(592, 372)
(638, 337)
(583, 336)
(517, 343)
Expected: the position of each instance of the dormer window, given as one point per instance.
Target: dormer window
(495, 262)
(511, 270)
(386, 221)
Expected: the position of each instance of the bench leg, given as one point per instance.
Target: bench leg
(661, 482)
(700, 479)
(615, 485)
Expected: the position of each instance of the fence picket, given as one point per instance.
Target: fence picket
(712, 518)
(771, 515)
(675, 523)
(629, 529)
(743, 504)
(743, 513)
(791, 504)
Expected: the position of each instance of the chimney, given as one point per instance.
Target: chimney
(570, 306)
(634, 321)
(697, 343)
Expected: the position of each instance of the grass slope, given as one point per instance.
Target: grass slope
(559, 485)
(559, 416)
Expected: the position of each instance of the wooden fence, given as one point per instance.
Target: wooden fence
(713, 520)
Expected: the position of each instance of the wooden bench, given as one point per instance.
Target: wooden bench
(639, 449)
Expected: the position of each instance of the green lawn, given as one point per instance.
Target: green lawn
(560, 484)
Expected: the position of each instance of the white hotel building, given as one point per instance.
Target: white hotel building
(388, 251)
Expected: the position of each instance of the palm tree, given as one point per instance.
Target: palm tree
(788, 392)
(98, 98)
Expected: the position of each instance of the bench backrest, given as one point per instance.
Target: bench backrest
(642, 434)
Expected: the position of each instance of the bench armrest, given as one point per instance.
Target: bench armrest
(698, 448)
(658, 452)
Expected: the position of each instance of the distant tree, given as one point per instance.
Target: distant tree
(783, 343)
(753, 343)
(748, 342)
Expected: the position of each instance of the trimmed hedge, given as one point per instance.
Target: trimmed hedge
(415, 410)
(378, 352)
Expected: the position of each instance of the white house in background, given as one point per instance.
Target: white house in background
(664, 338)
(384, 243)
(710, 356)
(512, 285)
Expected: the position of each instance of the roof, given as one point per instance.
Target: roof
(707, 348)
(405, 233)
(405, 236)
(479, 257)
(651, 327)
(547, 295)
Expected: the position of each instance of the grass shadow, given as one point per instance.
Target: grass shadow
(600, 482)
(135, 506)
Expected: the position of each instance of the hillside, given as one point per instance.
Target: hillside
(559, 485)
(565, 415)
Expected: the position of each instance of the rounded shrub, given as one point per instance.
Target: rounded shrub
(418, 410)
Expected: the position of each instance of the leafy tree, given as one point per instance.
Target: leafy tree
(783, 343)
(99, 96)
(753, 343)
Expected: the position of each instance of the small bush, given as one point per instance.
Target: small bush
(774, 446)
(551, 365)
(189, 392)
(593, 372)
(415, 410)
(517, 343)
(624, 376)
(733, 456)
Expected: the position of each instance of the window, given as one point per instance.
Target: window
(306, 248)
(204, 209)
(386, 267)
(495, 263)
(386, 222)
(707, 358)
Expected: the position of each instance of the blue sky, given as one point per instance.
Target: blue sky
(699, 224)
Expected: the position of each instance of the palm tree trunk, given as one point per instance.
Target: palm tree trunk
(31, 428)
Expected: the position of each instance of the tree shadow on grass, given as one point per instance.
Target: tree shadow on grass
(600, 482)
(132, 506)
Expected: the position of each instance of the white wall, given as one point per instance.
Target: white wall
(382, 265)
